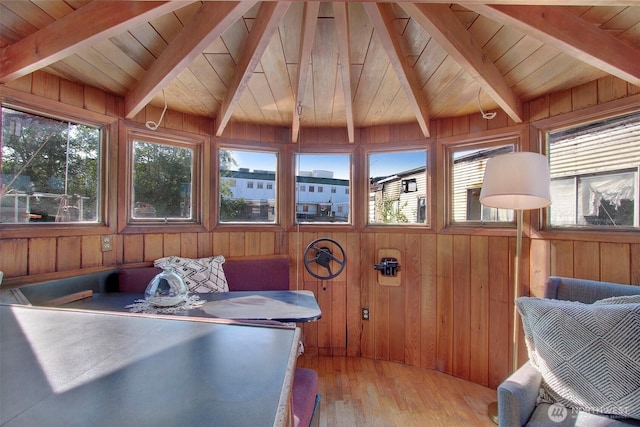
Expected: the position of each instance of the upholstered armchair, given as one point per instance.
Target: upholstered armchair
(519, 402)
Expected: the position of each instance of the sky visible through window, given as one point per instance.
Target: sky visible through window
(381, 164)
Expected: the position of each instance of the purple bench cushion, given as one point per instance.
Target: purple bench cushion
(257, 275)
(270, 274)
(135, 280)
(303, 401)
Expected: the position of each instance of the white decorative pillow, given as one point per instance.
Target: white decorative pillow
(588, 354)
(203, 275)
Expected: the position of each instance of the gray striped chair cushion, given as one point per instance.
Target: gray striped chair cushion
(588, 354)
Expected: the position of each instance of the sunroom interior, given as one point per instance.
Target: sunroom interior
(249, 129)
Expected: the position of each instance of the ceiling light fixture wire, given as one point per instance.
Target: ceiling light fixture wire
(153, 125)
(486, 116)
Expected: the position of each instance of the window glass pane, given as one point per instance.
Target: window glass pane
(594, 174)
(162, 182)
(316, 174)
(467, 171)
(50, 170)
(248, 186)
(398, 188)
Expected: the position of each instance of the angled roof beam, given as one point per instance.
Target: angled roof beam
(209, 23)
(87, 25)
(441, 23)
(342, 36)
(558, 27)
(309, 20)
(265, 25)
(382, 16)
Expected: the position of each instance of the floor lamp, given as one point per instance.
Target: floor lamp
(515, 181)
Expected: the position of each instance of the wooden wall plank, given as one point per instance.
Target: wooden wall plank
(14, 257)
(635, 264)
(189, 245)
(133, 248)
(499, 310)
(428, 299)
(444, 304)
(353, 301)
(42, 255)
(479, 310)
(380, 311)
(615, 263)
(68, 254)
(411, 269)
(461, 294)
(153, 247)
(92, 255)
(540, 266)
(204, 245)
(171, 244)
(586, 264)
(562, 258)
(367, 293)
(397, 315)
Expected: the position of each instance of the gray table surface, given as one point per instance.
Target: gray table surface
(78, 368)
(283, 306)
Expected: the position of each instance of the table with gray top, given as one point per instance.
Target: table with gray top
(83, 368)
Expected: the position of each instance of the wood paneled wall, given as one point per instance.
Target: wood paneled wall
(452, 310)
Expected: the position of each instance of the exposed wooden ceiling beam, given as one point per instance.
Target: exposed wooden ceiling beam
(266, 23)
(209, 23)
(92, 23)
(309, 21)
(556, 26)
(342, 36)
(382, 16)
(441, 23)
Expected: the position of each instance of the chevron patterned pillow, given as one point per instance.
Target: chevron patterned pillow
(588, 354)
(203, 275)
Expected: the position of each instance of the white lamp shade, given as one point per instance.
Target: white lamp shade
(516, 181)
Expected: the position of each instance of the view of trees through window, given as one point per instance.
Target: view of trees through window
(162, 181)
(594, 173)
(398, 187)
(247, 186)
(50, 170)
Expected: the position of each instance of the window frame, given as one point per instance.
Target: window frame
(517, 135)
(231, 145)
(430, 193)
(130, 132)
(295, 186)
(539, 130)
(107, 211)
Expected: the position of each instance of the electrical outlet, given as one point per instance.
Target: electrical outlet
(365, 313)
(107, 243)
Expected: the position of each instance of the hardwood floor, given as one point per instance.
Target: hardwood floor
(363, 392)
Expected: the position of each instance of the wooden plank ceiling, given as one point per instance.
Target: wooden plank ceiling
(323, 64)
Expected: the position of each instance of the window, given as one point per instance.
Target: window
(163, 179)
(397, 184)
(315, 171)
(254, 199)
(594, 174)
(51, 170)
(467, 165)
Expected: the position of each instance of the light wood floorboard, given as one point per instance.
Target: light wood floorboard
(370, 393)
